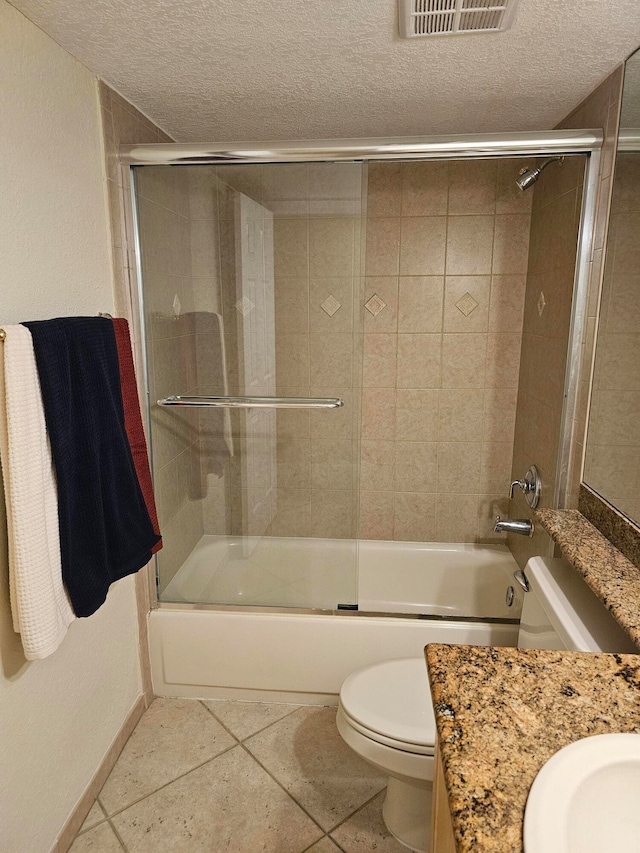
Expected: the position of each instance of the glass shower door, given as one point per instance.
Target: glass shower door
(252, 288)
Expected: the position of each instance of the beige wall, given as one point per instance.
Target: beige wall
(59, 715)
(441, 376)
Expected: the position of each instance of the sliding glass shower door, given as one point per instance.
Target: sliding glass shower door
(252, 287)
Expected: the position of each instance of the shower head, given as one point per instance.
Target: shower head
(528, 177)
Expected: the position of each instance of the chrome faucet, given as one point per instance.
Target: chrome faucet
(522, 526)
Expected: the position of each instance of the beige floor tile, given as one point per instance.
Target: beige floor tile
(100, 839)
(366, 831)
(173, 736)
(95, 816)
(305, 753)
(244, 719)
(230, 804)
(325, 845)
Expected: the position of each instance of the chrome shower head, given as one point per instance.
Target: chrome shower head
(528, 177)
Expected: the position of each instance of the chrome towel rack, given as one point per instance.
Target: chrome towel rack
(254, 402)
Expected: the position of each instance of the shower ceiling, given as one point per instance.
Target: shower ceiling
(300, 69)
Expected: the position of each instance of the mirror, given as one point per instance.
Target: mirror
(612, 461)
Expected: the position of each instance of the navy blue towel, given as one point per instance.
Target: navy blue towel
(105, 529)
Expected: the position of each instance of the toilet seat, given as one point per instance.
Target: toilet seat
(389, 703)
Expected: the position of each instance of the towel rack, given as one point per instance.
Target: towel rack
(255, 402)
(3, 334)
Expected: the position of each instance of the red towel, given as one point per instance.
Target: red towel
(133, 421)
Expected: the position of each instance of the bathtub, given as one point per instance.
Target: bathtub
(408, 594)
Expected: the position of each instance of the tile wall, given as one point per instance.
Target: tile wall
(557, 204)
(611, 464)
(446, 252)
(599, 110)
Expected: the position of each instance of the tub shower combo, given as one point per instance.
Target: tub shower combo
(331, 337)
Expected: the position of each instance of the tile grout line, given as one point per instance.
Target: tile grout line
(117, 835)
(241, 740)
(166, 785)
(280, 785)
(353, 813)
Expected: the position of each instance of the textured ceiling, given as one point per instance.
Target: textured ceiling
(217, 70)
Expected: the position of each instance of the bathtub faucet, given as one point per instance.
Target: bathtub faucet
(523, 526)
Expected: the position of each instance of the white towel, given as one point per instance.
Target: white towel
(39, 604)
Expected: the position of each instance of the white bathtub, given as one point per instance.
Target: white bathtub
(441, 593)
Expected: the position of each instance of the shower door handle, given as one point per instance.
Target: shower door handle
(254, 402)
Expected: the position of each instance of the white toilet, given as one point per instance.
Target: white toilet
(385, 712)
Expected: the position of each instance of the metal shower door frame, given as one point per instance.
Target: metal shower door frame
(461, 147)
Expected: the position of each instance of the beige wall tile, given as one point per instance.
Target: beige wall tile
(416, 466)
(386, 288)
(385, 189)
(332, 514)
(464, 361)
(495, 471)
(342, 290)
(461, 416)
(294, 463)
(377, 465)
(383, 247)
(503, 361)
(422, 245)
(291, 248)
(471, 319)
(292, 360)
(424, 189)
(291, 306)
(414, 517)
(458, 466)
(332, 464)
(379, 365)
(416, 415)
(499, 414)
(378, 413)
(330, 358)
(376, 515)
(511, 244)
(490, 506)
(506, 309)
(420, 303)
(469, 245)
(331, 247)
(293, 516)
(472, 186)
(419, 359)
(457, 518)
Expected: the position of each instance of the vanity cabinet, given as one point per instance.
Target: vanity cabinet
(442, 840)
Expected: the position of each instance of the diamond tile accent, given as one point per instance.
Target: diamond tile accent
(466, 304)
(542, 302)
(244, 306)
(330, 305)
(375, 305)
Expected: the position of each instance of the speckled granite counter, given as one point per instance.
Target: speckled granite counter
(502, 713)
(611, 576)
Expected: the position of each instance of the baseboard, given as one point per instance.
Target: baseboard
(70, 830)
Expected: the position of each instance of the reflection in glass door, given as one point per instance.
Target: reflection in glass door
(252, 287)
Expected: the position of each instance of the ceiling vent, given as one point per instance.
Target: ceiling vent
(454, 17)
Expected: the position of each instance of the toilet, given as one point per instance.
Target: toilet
(385, 712)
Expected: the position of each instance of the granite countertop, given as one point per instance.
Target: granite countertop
(609, 574)
(502, 713)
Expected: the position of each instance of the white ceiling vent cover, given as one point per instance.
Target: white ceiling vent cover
(454, 17)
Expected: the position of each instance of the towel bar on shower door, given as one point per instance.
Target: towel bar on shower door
(255, 402)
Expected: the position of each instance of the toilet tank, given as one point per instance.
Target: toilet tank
(561, 612)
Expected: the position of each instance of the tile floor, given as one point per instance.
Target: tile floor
(239, 777)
